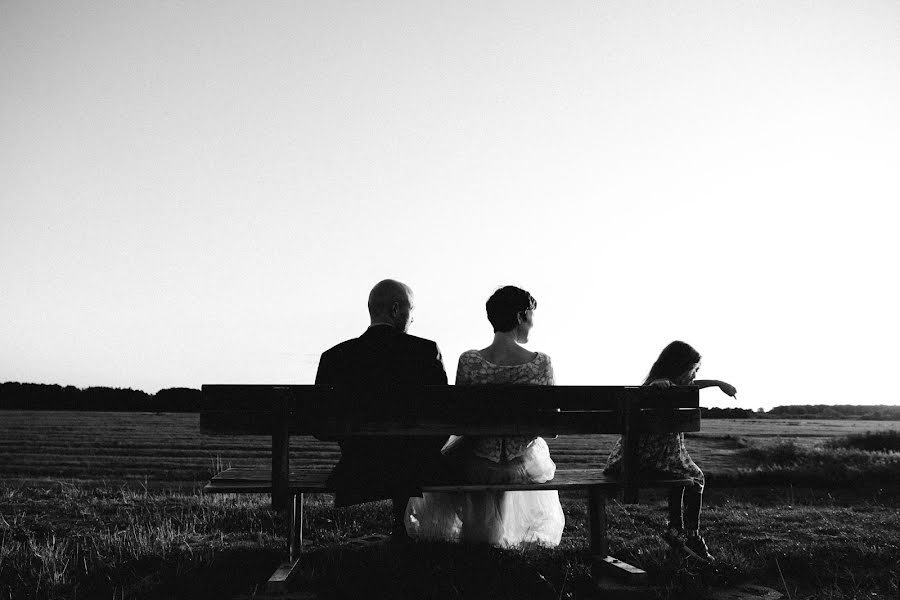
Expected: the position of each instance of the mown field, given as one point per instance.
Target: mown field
(167, 450)
(107, 505)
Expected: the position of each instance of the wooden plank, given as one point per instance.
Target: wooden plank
(661, 481)
(282, 577)
(671, 419)
(280, 455)
(422, 423)
(565, 423)
(239, 488)
(310, 397)
(424, 410)
(547, 424)
(555, 484)
(623, 571)
(249, 480)
(630, 439)
(317, 477)
(259, 480)
(301, 474)
(222, 421)
(403, 399)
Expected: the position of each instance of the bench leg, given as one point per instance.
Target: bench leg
(281, 459)
(602, 564)
(597, 522)
(281, 578)
(296, 527)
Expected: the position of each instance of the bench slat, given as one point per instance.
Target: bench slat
(548, 424)
(445, 410)
(259, 480)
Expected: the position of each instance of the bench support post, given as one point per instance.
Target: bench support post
(281, 578)
(597, 521)
(631, 412)
(296, 525)
(603, 565)
(281, 468)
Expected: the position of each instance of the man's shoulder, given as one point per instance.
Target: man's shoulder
(418, 342)
(389, 337)
(342, 347)
(382, 355)
(376, 346)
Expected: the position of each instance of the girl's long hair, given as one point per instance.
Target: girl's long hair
(673, 362)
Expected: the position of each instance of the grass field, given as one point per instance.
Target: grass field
(167, 451)
(105, 505)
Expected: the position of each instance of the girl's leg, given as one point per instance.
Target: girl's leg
(675, 518)
(693, 499)
(694, 542)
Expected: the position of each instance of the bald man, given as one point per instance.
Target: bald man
(383, 356)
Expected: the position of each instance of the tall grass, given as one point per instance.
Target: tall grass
(73, 542)
(870, 441)
(838, 464)
(105, 543)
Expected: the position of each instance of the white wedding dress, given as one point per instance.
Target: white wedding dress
(503, 519)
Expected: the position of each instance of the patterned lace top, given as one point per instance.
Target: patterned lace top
(474, 369)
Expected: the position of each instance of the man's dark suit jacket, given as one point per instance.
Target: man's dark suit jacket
(383, 467)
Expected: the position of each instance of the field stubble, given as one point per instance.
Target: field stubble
(105, 505)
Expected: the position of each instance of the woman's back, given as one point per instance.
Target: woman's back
(498, 518)
(475, 368)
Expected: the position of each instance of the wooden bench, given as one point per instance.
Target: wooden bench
(285, 410)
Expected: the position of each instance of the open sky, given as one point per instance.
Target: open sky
(205, 192)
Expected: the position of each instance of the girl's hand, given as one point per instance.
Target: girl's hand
(660, 383)
(728, 388)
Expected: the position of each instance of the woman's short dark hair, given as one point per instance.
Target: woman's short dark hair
(674, 361)
(506, 304)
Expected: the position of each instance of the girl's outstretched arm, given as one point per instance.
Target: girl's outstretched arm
(725, 387)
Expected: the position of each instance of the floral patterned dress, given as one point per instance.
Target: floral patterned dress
(660, 453)
(503, 519)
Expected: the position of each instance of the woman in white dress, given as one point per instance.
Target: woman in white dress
(503, 519)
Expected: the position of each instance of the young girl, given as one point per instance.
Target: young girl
(677, 364)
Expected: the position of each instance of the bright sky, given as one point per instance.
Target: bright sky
(205, 192)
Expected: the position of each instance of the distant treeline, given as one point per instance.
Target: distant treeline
(39, 396)
(728, 413)
(881, 412)
(877, 412)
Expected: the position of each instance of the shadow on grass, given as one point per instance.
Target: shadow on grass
(373, 567)
(230, 572)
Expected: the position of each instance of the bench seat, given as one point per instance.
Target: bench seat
(237, 480)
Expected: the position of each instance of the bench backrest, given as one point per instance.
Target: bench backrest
(282, 410)
(447, 409)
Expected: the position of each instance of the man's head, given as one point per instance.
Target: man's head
(391, 302)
